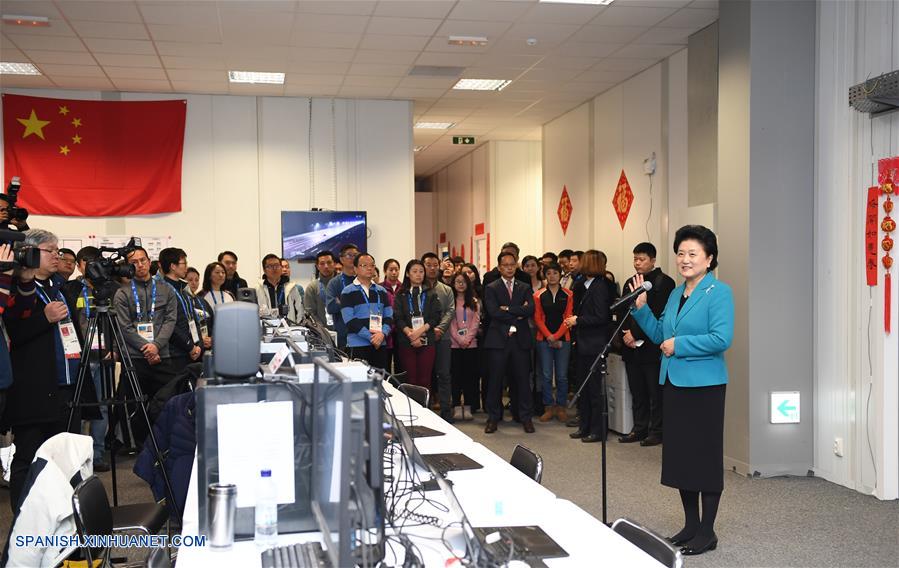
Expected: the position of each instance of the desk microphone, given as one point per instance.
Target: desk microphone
(646, 287)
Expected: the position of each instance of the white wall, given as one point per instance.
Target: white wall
(857, 398)
(247, 158)
(497, 184)
(567, 162)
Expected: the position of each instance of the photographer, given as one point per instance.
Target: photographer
(44, 353)
(185, 344)
(147, 311)
(5, 204)
(5, 365)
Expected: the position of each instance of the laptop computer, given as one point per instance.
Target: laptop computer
(443, 463)
(528, 543)
(423, 432)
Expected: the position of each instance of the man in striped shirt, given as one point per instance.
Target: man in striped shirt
(367, 313)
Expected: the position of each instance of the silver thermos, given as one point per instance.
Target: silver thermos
(222, 511)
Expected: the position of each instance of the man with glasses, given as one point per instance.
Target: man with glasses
(272, 291)
(147, 312)
(366, 310)
(335, 288)
(66, 264)
(185, 345)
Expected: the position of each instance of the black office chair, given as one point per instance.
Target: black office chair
(421, 395)
(94, 516)
(649, 542)
(527, 462)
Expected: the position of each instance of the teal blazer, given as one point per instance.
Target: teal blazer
(702, 332)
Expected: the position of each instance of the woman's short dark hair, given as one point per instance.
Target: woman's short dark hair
(704, 236)
(591, 264)
(552, 266)
(207, 275)
(407, 283)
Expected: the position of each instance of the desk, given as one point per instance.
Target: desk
(497, 495)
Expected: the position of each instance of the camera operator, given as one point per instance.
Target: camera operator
(185, 344)
(5, 204)
(44, 352)
(147, 311)
(6, 255)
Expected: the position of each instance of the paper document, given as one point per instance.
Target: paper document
(255, 436)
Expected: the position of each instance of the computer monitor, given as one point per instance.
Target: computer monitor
(304, 234)
(331, 474)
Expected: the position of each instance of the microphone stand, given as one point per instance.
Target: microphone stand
(599, 365)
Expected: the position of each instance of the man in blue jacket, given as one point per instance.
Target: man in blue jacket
(367, 313)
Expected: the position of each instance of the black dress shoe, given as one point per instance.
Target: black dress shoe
(591, 438)
(651, 441)
(677, 542)
(490, 428)
(528, 427)
(631, 438)
(695, 549)
(577, 434)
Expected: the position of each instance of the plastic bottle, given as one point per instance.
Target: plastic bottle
(266, 511)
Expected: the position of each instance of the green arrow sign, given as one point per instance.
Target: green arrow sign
(463, 139)
(784, 409)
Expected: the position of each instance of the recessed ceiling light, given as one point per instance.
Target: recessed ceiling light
(419, 148)
(256, 77)
(481, 84)
(594, 2)
(8, 68)
(30, 21)
(435, 125)
(469, 41)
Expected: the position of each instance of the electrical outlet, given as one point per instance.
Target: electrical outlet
(838, 447)
(649, 165)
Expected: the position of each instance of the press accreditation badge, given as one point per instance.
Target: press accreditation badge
(204, 330)
(329, 320)
(374, 323)
(417, 322)
(95, 344)
(192, 325)
(70, 343)
(145, 330)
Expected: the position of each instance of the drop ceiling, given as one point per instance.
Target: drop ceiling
(360, 49)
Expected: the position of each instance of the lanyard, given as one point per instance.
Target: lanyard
(281, 301)
(321, 292)
(87, 303)
(368, 302)
(464, 316)
(181, 300)
(421, 301)
(46, 298)
(137, 300)
(202, 305)
(221, 295)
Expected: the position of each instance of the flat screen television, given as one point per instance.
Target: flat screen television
(304, 234)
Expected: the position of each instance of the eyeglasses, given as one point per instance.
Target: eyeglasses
(366, 265)
(51, 252)
(272, 266)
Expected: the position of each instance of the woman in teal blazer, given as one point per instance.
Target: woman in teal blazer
(696, 328)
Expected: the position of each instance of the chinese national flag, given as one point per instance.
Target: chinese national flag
(94, 158)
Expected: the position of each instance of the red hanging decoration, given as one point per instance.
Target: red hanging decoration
(871, 234)
(887, 173)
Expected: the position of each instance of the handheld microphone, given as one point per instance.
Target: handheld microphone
(626, 299)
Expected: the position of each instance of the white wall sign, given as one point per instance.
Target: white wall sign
(784, 407)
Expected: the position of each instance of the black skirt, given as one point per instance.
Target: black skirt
(693, 448)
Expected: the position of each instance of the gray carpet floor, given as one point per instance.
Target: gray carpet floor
(777, 522)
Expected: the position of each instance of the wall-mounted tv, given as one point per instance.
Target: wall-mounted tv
(304, 234)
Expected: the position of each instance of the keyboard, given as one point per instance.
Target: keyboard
(306, 555)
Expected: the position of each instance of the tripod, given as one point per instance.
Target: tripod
(600, 365)
(103, 324)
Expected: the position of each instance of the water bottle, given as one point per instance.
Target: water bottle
(266, 511)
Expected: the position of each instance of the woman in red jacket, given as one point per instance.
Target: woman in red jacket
(552, 305)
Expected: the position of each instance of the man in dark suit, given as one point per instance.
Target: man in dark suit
(494, 274)
(641, 356)
(509, 304)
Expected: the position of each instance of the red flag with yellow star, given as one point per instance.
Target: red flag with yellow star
(94, 158)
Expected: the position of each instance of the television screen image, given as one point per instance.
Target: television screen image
(304, 234)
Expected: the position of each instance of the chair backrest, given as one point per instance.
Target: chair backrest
(159, 558)
(649, 542)
(92, 513)
(421, 395)
(527, 462)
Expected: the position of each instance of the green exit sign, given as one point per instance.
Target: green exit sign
(463, 139)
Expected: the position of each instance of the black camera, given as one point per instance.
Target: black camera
(103, 271)
(14, 212)
(24, 256)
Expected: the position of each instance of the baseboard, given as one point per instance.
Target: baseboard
(737, 466)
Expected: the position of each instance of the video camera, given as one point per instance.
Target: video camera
(103, 270)
(14, 212)
(24, 256)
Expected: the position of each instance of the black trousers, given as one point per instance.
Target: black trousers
(646, 393)
(150, 378)
(375, 357)
(466, 377)
(514, 363)
(590, 404)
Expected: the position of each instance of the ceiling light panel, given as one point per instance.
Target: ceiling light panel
(256, 77)
(9, 68)
(481, 84)
(434, 125)
(590, 2)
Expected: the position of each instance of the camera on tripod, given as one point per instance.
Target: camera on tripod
(112, 263)
(14, 212)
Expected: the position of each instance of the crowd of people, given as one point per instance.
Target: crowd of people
(522, 329)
